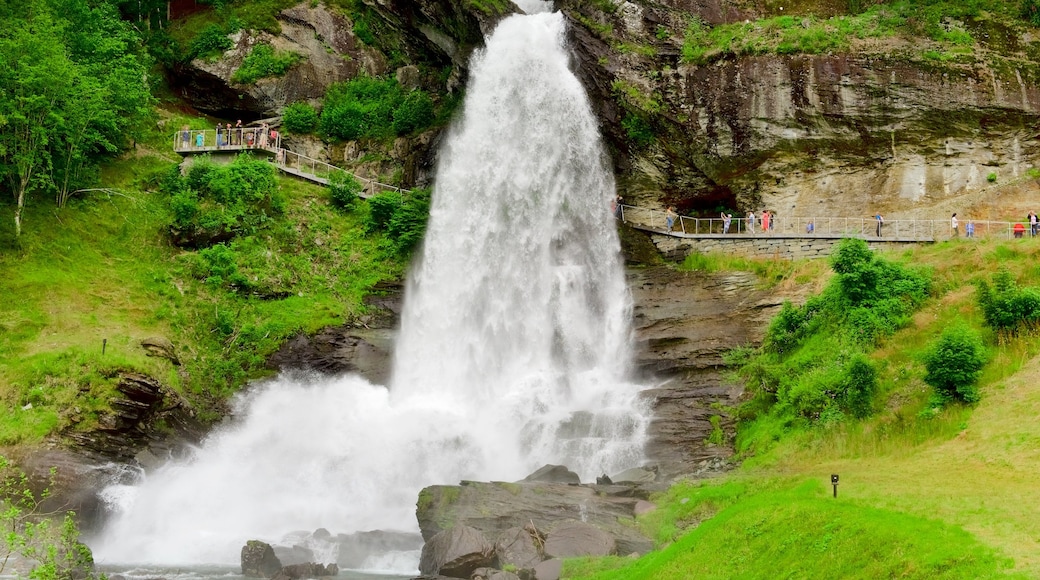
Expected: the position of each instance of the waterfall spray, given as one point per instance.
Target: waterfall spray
(513, 350)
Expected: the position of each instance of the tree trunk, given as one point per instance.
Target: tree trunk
(18, 210)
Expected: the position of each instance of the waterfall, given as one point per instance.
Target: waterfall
(513, 349)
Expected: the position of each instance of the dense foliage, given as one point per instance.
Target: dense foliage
(344, 190)
(813, 366)
(299, 118)
(1006, 307)
(73, 92)
(214, 202)
(402, 217)
(954, 363)
(263, 61)
(368, 107)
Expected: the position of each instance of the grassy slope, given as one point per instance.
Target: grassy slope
(102, 269)
(921, 496)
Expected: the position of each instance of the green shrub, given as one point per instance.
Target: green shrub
(343, 190)
(856, 389)
(263, 62)
(954, 363)
(213, 202)
(992, 177)
(402, 217)
(218, 267)
(638, 129)
(299, 118)
(415, 113)
(211, 41)
(407, 225)
(381, 209)
(361, 107)
(1007, 308)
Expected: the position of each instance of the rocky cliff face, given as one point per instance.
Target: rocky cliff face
(879, 128)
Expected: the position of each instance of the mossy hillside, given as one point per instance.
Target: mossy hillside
(103, 270)
(946, 488)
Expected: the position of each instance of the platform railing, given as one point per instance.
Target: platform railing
(811, 226)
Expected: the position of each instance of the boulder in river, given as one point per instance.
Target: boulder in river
(456, 553)
(259, 561)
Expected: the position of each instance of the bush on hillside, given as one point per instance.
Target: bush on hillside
(813, 365)
(344, 190)
(402, 217)
(1007, 308)
(1030, 11)
(214, 203)
(415, 113)
(361, 107)
(954, 363)
(299, 118)
(262, 62)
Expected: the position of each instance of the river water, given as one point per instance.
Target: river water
(513, 351)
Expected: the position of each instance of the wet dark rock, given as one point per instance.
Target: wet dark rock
(553, 474)
(684, 323)
(492, 574)
(145, 415)
(572, 539)
(259, 560)
(497, 507)
(548, 570)
(456, 552)
(520, 548)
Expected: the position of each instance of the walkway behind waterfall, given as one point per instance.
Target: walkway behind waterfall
(649, 220)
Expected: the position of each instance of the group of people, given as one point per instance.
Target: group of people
(765, 220)
(238, 135)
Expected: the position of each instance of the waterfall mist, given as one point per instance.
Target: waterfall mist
(512, 353)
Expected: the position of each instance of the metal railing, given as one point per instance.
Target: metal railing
(320, 171)
(234, 139)
(251, 138)
(867, 227)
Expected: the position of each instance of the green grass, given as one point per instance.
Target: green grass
(924, 493)
(819, 537)
(102, 269)
(935, 20)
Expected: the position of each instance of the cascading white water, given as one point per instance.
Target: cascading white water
(512, 353)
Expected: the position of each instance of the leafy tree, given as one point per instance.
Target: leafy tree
(73, 88)
(954, 363)
(35, 73)
(415, 113)
(29, 532)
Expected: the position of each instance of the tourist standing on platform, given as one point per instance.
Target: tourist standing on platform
(953, 224)
(1034, 223)
(726, 219)
(880, 222)
(263, 136)
(238, 132)
(220, 136)
(669, 217)
(765, 221)
(969, 230)
(185, 137)
(751, 222)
